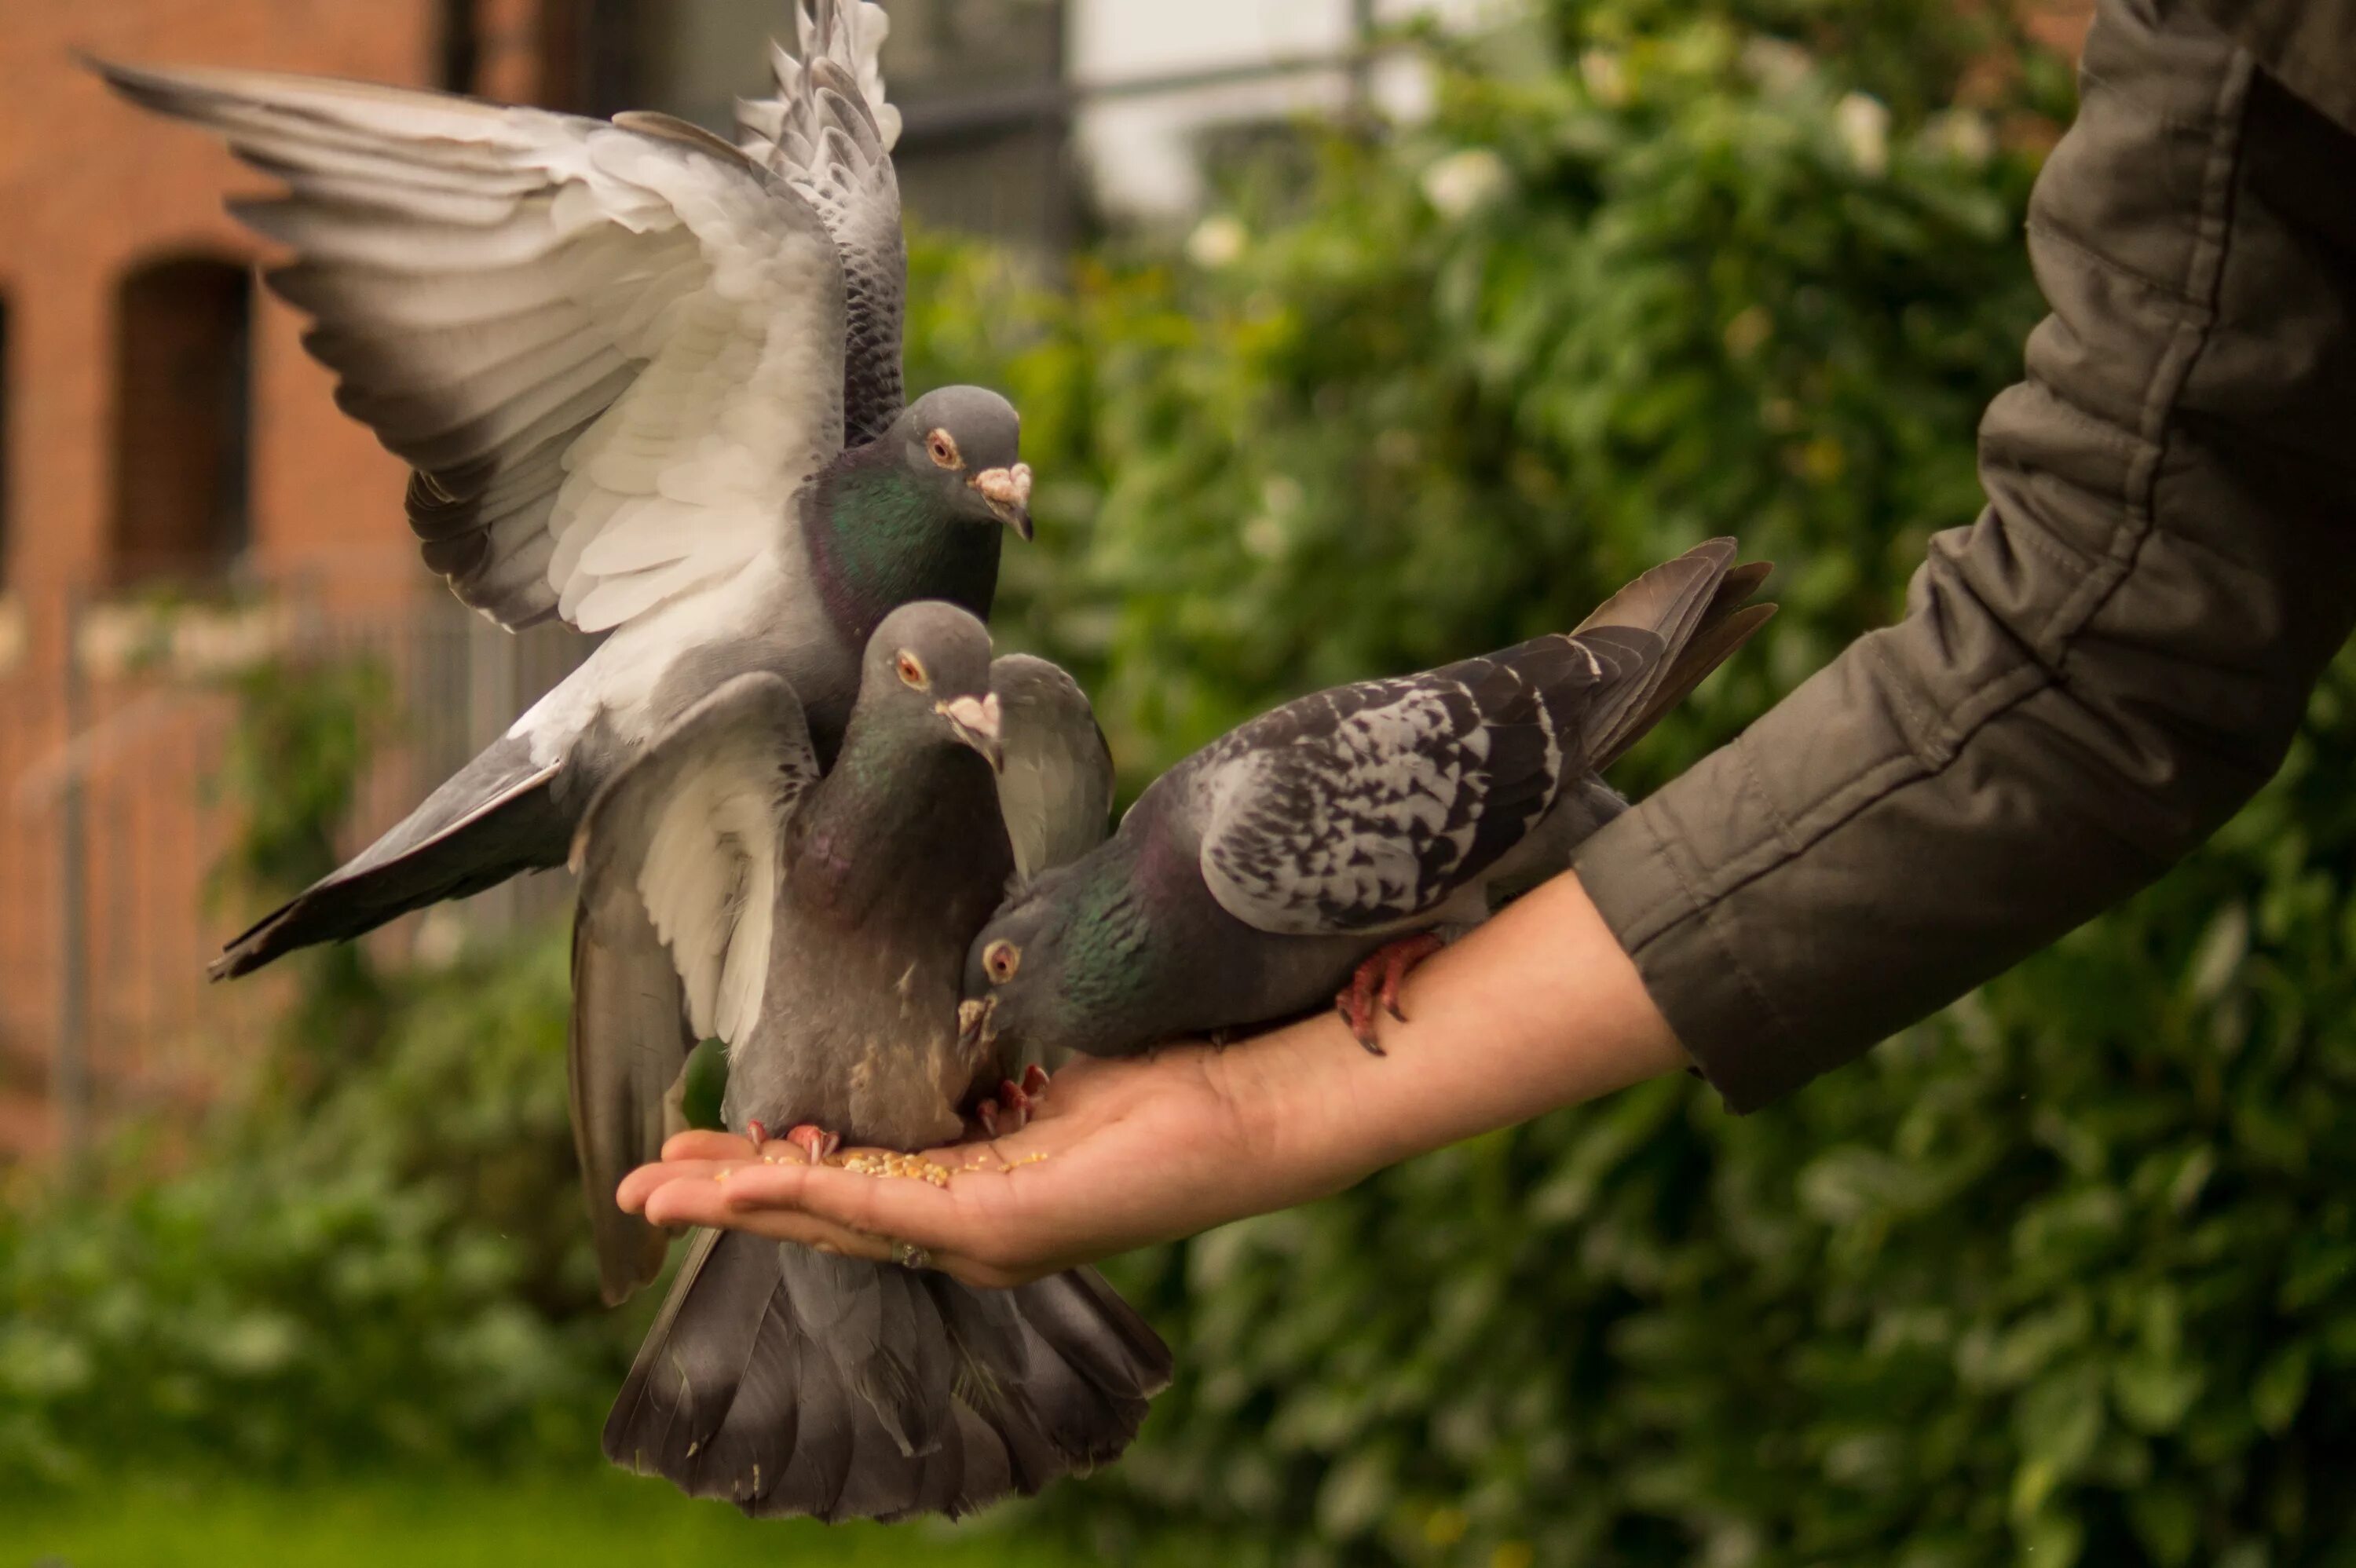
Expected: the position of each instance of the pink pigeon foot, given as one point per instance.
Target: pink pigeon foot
(1010, 1111)
(1376, 984)
(815, 1142)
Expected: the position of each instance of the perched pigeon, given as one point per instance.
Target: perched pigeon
(1326, 844)
(624, 360)
(819, 926)
(630, 1029)
(1056, 787)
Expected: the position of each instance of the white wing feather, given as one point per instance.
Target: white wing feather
(695, 825)
(614, 353)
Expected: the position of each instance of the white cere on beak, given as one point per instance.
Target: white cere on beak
(1004, 486)
(975, 715)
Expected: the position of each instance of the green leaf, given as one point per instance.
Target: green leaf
(2280, 1387)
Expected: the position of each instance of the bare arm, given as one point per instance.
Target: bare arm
(1538, 1008)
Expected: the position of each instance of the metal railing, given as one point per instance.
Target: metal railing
(113, 825)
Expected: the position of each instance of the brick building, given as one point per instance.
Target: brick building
(162, 434)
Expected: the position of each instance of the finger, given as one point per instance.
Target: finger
(897, 1207)
(701, 1143)
(691, 1202)
(631, 1196)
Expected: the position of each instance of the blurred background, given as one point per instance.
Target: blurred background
(1350, 337)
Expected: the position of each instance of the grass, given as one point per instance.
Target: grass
(586, 1522)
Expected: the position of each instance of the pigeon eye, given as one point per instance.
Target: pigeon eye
(943, 450)
(912, 670)
(1001, 959)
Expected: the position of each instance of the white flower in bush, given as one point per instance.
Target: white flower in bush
(1863, 124)
(1463, 182)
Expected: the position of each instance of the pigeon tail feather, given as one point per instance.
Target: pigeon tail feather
(1698, 606)
(789, 1382)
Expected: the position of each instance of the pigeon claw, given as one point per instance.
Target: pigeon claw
(1011, 1109)
(1374, 984)
(815, 1142)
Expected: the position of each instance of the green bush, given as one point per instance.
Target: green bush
(387, 1270)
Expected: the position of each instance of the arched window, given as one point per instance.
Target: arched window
(183, 366)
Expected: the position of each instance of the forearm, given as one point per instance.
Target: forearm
(2094, 677)
(1536, 1009)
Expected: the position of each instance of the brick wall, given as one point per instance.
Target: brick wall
(91, 192)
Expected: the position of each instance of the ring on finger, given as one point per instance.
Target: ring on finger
(907, 1254)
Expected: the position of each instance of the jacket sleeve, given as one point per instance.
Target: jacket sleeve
(2095, 674)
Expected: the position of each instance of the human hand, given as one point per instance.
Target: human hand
(1116, 1155)
(1538, 1008)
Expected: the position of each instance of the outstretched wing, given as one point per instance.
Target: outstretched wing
(678, 860)
(613, 353)
(1055, 790)
(1365, 807)
(829, 134)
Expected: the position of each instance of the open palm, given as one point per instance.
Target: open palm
(1118, 1155)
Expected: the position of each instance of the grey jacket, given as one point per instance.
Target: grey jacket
(2091, 678)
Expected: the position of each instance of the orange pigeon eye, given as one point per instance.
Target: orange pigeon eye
(912, 670)
(944, 450)
(1001, 959)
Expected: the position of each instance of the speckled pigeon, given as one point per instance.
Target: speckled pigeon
(1327, 845)
(648, 382)
(819, 926)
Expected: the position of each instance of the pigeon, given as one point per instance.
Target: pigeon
(631, 1032)
(818, 924)
(1319, 850)
(648, 383)
(1055, 791)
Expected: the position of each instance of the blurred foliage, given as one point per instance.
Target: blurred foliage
(375, 1257)
(1634, 284)
(387, 1270)
(2067, 1274)
(291, 773)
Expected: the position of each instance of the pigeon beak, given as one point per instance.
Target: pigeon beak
(1008, 491)
(975, 719)
(974, 1033)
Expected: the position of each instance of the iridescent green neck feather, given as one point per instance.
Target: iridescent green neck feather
(879, 538)
(1109, 989)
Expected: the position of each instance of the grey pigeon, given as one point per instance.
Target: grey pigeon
(648, 383)
(820, 927)
(1055, 790)
(631, 1030)
(1317, 851)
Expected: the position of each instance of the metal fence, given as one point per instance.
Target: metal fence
(111, 837)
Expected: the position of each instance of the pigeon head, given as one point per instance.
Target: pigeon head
(962, 444)
(927, 667)
(1065, 963)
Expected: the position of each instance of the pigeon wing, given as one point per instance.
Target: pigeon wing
(828, 133)
(679, 860)
(1362, 809)
(612, 352)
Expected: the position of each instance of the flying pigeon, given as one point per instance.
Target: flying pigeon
(1331, 842)
(648, 383)
(819, 926)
